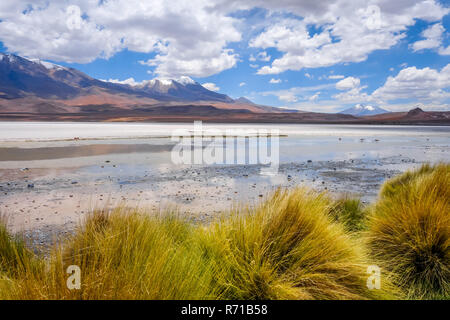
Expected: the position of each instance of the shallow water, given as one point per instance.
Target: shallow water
(114, 163)
(41, 144)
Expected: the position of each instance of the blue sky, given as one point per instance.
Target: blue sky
(317, 56)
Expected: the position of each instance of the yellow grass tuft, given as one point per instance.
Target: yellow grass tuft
(287, 248)
(409, 231)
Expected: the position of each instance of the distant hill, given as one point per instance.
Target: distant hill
(362, 110)
(414, 116)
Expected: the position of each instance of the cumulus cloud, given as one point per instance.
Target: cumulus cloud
(183, 35)
(242, 84)
(261, 56)
(211, 86)
(433, 38)
(348, 31)
(425, 85)
(353, 91)
(444, 51)
(275, 80)
(348, 83)
(421, 84)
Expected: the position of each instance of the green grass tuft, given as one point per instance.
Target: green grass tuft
(409, 231)
(350, 212)
(287, 248)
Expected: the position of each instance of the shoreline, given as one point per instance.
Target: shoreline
(77, 118)
(59, 201)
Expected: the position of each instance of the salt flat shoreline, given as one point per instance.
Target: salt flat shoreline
(59, 200)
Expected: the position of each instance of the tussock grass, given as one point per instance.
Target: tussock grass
(15, 257)
(287, 248)
(123, 254)
(297, 244)
(409, 231)
(350, 212)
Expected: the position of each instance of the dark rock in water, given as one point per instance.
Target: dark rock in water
(30, 185)
(74, 182)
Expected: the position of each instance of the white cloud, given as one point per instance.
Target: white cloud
(254, 66)
(288, 97)
(48, 30)
(275, 80)
(336, 77)
(423, 85)
(261, 56)
(433, 38)
(129, 81)
(349, 31)
(352, 91)
(444, 51)
(314, 97)
(348, 83)
(296, 93)
(242, 84)
(211, 86)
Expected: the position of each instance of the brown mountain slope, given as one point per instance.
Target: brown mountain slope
(414, 116)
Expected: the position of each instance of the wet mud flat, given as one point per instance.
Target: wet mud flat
(46, 206)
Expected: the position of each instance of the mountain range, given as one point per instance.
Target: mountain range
(362, 110)
(43, 86)
(31, 89)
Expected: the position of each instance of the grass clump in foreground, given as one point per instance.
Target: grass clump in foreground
(287, 248)
(409, 231)
(298, 244)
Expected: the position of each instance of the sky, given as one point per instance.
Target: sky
(322, 56)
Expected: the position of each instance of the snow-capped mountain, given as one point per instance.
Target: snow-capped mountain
(362, 110)
(21, 77)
